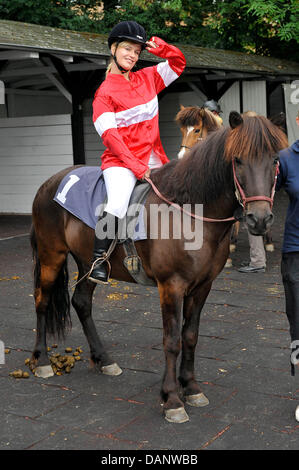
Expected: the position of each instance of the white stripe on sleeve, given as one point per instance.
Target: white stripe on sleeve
(104, 122)
(167, 74)
(140, 113)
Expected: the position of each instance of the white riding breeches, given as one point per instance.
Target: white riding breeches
(120, 183)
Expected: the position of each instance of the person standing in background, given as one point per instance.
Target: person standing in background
(257, 252)
(288, 179)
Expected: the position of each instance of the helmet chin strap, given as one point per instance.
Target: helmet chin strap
(120, 68)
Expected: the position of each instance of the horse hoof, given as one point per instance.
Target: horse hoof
(197, 400)
(178, 415)
(228, 263)
(44, 372)
(111, 369)
(297, 413)
(269, 247)
(232, 248)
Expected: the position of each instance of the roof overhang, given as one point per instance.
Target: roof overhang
(35, 57)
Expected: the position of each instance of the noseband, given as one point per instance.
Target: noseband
(185, 147)
(241, 196)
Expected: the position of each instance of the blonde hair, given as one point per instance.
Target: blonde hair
(121, 44)
(109, 66)
(250, 114)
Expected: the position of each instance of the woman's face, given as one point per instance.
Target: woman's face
(127, 54)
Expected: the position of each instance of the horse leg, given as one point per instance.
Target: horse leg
(234, 237)
(269, 245)
(191, 312)
(233, 243)
(52, 306)
(82, 303)
(171, 305)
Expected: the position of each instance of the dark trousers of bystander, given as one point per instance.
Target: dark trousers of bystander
(290, 278)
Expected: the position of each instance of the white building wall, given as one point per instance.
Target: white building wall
(32, 149)
(254, 97)
(93, 144)
(230, 101)
(291, 94)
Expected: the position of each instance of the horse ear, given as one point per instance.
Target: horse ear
(182, 107)
(279, 120)
(235, 119)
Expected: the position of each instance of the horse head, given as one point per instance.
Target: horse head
(195, 124)
(252, 146)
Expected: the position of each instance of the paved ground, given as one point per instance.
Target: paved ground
(242, 363)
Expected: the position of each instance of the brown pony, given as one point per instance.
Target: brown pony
(195, 124)
(184, 276)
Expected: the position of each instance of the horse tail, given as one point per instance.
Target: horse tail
(57, 310)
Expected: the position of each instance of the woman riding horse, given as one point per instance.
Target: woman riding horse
(242, 156)
(125, 114)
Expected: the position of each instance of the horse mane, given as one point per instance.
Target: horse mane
(192, 115)
(256, 137)
(205, 173)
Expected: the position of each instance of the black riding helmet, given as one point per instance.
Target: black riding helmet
(127, 30)
(212, 105)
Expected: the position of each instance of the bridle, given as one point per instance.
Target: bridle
(239, 192)
(241, 196)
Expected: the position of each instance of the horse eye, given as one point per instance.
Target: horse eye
(238, 161)
(196, 131)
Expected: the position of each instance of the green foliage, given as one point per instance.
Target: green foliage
(269, 27)
(69, 14)
(281, 16)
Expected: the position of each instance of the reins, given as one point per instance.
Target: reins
(240, 195)
(177, 206)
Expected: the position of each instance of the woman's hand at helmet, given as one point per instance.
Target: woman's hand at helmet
(151, 44)
(160, 48)
(155, 45)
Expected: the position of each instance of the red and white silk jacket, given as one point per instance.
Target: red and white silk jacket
(126, 114)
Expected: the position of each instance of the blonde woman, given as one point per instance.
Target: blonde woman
(125, 114)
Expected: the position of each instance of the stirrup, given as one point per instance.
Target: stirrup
(87, 275)
(97, 263)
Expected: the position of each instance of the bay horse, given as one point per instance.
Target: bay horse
(195, 124)
(243, 154)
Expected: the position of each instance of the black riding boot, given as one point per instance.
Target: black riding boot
(99, 273)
